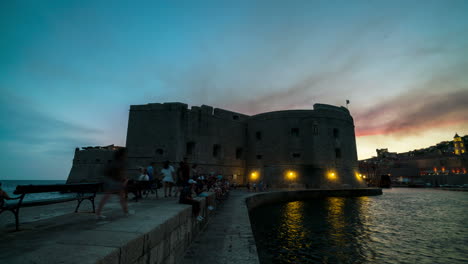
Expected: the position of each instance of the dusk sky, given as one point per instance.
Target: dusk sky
(70, 69)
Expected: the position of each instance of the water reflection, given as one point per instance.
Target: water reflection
(291, 229)
(399, 227)
(336, 219)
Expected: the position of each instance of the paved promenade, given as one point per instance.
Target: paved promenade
(160, 231)
(228, 237)
(50, 235)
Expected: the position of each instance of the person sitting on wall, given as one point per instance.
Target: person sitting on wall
(186, 198)
(143, 175)
(3, 195)
(143, 182)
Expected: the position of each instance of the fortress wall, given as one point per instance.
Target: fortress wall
(170, 131)
(154, 134)
(205, 130)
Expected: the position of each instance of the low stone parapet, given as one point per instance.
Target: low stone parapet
(159, 232)
(260, 199)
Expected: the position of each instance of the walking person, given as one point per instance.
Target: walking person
(115, 182)
(168, 178)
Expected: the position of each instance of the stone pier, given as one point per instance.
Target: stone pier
(160, 231)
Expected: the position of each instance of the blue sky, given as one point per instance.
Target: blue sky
(70, 69)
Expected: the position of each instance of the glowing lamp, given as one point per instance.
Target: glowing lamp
(332, 176)
(254, 175)
(358, 176)
(291, 175)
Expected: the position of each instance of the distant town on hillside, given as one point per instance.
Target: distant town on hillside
(445, 163)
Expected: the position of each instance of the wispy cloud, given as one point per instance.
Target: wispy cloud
(24, 123)
(414, 112)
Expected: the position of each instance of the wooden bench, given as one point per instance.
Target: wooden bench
(83, 191)
(142, 188)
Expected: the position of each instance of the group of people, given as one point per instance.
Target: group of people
(184, 182)
(254, 187)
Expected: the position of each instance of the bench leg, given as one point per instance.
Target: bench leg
(78, 205)
(17, 219)
(92, 201)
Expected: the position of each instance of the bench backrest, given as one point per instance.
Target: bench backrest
(80, 188)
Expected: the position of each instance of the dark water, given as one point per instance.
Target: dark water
(9, 186)
(400, 226)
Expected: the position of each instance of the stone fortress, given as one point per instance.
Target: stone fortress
(312, 148)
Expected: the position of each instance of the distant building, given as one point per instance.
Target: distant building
(458, 145)
(315, 148)
(383, 153)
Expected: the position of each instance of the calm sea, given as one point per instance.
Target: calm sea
(400, 226)
(10, 185)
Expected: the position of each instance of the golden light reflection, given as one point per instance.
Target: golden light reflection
(292, 229)
(336, 218)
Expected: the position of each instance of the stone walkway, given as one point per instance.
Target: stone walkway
(228, 237)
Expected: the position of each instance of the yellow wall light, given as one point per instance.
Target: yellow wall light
(291, 175)
(332, 175)
(358, 176)
(254, 175)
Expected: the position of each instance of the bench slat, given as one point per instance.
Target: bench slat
(83, 187)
